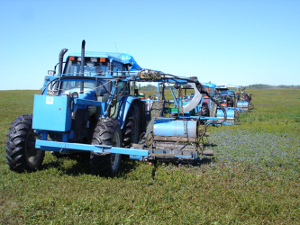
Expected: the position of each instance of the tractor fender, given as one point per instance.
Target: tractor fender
(195, 100)
(125, 106)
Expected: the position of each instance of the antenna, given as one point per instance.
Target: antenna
(116, 46)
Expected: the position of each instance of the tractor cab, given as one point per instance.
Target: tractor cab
(93, 78)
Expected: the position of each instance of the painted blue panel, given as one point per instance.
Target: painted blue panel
(229, 113)
(79, 101)
(88, 95)
(242, 104)
(209, 85)
(164, 127)
(64, 146)
(220, 113)
(51, 113)
(228, 123)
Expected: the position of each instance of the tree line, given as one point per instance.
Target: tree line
(150, 87)
(267, 86)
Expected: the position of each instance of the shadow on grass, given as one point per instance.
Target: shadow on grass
(82, 165)
(126, 166)
(54, 164)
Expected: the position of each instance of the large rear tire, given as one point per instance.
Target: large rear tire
(107, 132)
(132, 126)
(21, 153)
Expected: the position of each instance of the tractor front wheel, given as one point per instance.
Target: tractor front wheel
(21, 153)
(107, 132)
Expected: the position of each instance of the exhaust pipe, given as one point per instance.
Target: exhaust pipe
(82, 65)
(60, 60)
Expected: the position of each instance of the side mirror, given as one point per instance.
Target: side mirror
(51, 72)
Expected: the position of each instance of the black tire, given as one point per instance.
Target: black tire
(21, 153)
(204, 110)
(230, 102)
(107, 132)
(132, 126)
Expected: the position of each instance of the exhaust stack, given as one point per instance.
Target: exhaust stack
(60, 60)
(82, 65)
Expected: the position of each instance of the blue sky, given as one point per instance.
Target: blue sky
(239, 42)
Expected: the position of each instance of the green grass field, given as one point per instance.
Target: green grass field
(254, 177)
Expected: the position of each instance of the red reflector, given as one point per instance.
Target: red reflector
(71, 58)
(102, 59)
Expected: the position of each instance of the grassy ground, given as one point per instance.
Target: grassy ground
(252, 179)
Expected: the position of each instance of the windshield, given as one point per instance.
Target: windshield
(99, 88)
(68, 85)
(92, 67)
(73, 85)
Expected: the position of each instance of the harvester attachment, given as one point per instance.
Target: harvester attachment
(173, 139)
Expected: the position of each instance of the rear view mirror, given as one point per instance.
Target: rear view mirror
(51, 72)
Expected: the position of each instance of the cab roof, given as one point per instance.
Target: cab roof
(123, 58)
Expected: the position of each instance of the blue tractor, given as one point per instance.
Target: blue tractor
(228, 99)
(91, 104)
(238, 99)
(244, 103)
